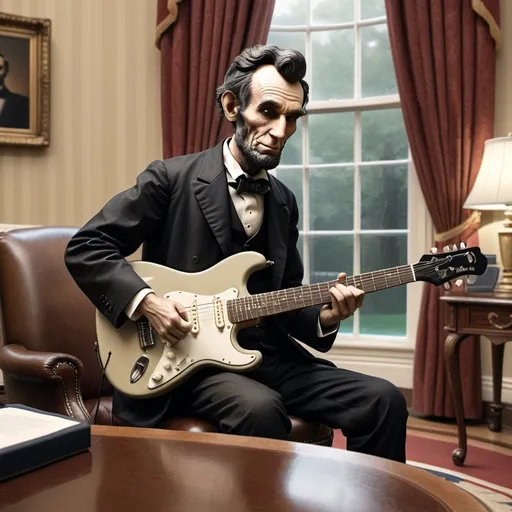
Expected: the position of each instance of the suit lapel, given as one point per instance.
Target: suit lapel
(212, 195)
(277, 213)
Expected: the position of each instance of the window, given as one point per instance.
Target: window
(348, 163)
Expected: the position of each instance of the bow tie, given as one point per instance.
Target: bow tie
(250, 185)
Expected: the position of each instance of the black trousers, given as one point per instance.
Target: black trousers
(371, 412)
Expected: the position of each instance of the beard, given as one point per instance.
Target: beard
(255, 160)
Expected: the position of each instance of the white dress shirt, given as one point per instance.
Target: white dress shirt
(249, 208)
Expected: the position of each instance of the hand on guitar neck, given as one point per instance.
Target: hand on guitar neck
(345, 301)
(168, 317)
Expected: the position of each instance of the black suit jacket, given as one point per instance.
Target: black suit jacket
(15, 112)
(179, 210)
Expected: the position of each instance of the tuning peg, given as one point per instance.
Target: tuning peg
(433, 250)
(454, 247)
(471, 279)
(446, 248)
(447, 285)
(459, 283)
(462, 245)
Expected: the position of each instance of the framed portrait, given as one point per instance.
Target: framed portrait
(24, 80)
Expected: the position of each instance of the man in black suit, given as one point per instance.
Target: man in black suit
(192, 211)
(14, 108)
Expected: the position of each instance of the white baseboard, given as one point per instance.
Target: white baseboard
(506, 389)
(397, 367)
(394, 365)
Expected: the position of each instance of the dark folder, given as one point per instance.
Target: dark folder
(39, 450)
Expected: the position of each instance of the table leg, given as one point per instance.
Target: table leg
(451, 355)
(497, 378)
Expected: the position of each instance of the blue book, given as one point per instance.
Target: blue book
(31, 438)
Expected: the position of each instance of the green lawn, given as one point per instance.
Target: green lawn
(382, 325)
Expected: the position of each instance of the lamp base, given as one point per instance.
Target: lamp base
(504, 286)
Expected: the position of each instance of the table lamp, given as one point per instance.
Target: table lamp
(493, 191)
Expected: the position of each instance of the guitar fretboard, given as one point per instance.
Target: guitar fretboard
(273, 303)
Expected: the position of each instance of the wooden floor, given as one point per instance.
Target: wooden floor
(476, 433)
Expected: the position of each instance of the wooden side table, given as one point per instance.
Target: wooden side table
(469, 314)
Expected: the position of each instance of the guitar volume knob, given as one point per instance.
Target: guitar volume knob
(157, 377)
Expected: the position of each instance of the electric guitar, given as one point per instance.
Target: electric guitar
(138, 364)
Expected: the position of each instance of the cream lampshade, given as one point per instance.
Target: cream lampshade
(493, 191)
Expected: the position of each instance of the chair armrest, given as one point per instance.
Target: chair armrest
(48, 381)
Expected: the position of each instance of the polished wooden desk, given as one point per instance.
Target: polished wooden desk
(156, 470)
(469, 314)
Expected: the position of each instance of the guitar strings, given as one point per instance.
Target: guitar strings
(364, 278)
(207, 310)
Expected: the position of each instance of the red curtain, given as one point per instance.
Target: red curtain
(444, 58)
(196, 51)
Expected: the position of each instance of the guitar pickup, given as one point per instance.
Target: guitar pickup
(218, 312)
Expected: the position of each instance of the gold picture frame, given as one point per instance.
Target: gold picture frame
(24, 80)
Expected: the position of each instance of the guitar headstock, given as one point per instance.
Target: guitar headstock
(452, 264)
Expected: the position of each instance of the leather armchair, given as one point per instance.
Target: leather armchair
(47, 356)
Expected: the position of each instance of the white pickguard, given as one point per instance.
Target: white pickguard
(141, 367)
(211, 343)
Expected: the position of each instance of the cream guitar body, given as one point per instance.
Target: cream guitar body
(140, 365)
(137, 363)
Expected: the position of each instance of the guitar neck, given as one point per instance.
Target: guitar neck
(289, 299)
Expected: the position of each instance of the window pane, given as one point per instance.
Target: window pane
(372, 9)
(293, 40)
(292, 153)
(290, 12)
(300, 247)
(377, 70)
(384, 312)
(383, 134)
(384, 197)
(292, 178)
(331, 138)
(332, 64)
(331, 199)
(328, 12)
(330, 255)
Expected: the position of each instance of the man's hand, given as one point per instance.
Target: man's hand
(345, 300)
(168, 318)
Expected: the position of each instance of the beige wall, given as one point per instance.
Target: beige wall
(105, 111)
(492, 221)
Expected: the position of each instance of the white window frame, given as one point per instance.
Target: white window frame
(419, 228)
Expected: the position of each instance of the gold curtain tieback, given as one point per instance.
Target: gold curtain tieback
(172, 7)
(458, 230)
(481, 9)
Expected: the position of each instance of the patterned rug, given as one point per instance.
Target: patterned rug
(486, 474)
(497, 498)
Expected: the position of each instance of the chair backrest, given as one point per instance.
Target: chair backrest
(42, 307)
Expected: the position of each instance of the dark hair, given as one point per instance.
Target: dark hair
(290, 64)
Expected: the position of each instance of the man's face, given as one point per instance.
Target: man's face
(3, 70)
(269, 119)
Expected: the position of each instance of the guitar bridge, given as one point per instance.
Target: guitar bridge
(145, 331)
(195, 318)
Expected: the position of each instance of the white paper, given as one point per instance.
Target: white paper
(20, 425)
